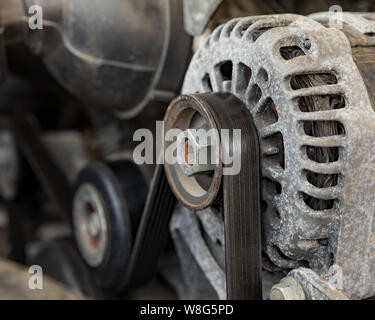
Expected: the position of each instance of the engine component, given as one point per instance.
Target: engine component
(220, 112)
(152, 233)
(313, 113)
(198, 13)
(359, 27)
(201, 259)
(199, 240)
(309, 91)
(195, 187)
(111, 53)
(288, 289)
(303, 283)
(107, 208)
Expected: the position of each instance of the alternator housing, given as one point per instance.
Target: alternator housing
(245, 57)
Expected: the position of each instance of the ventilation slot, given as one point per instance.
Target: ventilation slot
(263, 206)
(312, 80)
(268, 112)
(258, 32)
(263, 76)
(317, 204)
(280, 253)
(273, 145)
(322, 154)
(321, 180)
(323, 128)
(278, 189)
(255, 95)
(273, 149)
(229, 28)
(243, 78)
(207, 83)
(291, 52)
(331, 258)
(324, 102)
(244, 28)
(226, 70)
(272, 187)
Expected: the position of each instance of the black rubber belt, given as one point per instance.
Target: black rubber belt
(152, 233)
(50, 176)
(241, 194)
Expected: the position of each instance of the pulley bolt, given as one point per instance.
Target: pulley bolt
(287, 289)
(194, 152)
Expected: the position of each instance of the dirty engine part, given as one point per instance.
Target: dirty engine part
(312, 106)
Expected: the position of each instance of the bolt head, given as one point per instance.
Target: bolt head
(287, 289)
(195, 152)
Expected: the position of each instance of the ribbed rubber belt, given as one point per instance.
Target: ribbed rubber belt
(152, 233)
(241, 195)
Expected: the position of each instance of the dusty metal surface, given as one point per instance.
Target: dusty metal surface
(316, 287)
(359, 27)
(193, 251)
(294, 234)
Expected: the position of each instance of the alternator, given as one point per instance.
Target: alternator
(316, 126)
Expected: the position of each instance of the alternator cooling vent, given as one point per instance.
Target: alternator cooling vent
(307, 100)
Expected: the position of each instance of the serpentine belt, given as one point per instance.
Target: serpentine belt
(241, 192)
(152, 233)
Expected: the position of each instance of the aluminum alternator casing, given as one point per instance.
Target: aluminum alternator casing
(340, 237)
